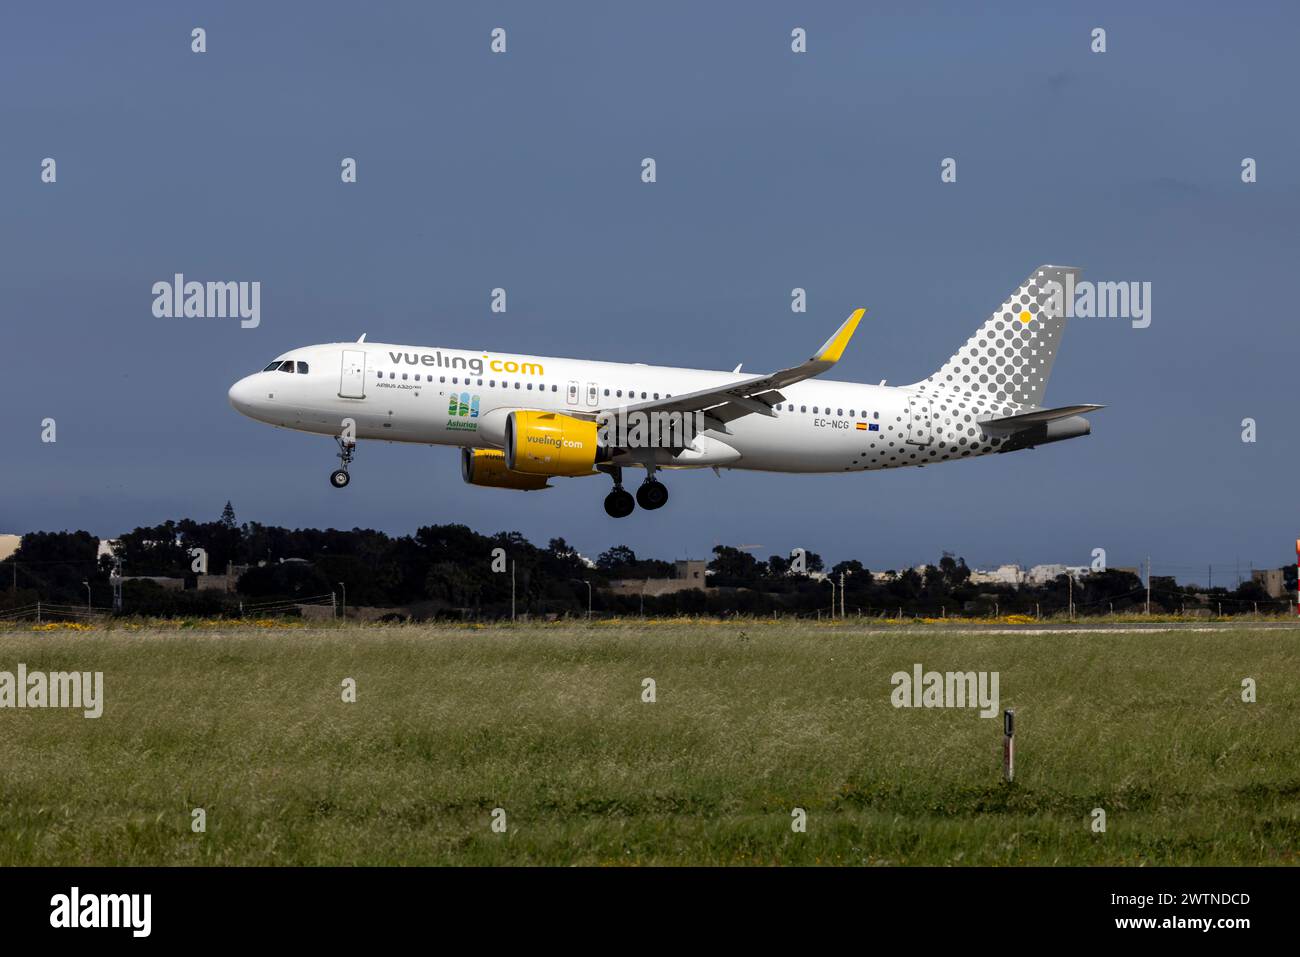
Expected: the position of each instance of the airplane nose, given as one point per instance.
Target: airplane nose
(241, 395)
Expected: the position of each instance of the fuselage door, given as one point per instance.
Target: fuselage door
(572, 394)
(918, 421)
(352, 380)
(593, 394)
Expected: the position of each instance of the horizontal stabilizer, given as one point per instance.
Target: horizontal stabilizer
(1014, 423)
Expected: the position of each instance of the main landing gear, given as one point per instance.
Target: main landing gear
(339, 478)
(619, 503)
(652, 494)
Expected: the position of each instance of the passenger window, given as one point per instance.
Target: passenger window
(814, 410)
(516, 385)
(403, 376)
(607, 393)
(839, 411)
(620, 393)
(492, 383)
(803, 408)
(379, 374)
(302, 368)
(392, 375)
(656, 395)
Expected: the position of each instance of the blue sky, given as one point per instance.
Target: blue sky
(775, 170)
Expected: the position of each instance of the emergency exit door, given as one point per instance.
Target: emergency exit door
(352, 380)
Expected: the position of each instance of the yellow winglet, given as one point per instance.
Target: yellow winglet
(833, 348)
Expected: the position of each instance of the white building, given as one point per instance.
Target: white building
(1002, 575)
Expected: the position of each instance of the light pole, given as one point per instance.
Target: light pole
(344, 616)
(831, 580)
(588, 584)
(87, 584)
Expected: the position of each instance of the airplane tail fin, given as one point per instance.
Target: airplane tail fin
(1006, 364)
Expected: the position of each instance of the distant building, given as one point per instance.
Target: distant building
(1272, 581)
(690, 573)
(692, 570)
(8, 545)
(1046, 574)
(1002, 575)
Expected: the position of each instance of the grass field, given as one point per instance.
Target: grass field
(751, 720)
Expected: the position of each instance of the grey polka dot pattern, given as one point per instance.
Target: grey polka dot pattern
(1003, 368)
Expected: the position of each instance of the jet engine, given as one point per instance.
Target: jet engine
(487, 467)
(550, 443)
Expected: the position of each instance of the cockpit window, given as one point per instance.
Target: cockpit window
(302, 368)
(273, 366)
(286, 365)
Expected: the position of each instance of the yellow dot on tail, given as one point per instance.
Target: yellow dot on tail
(1025, 317)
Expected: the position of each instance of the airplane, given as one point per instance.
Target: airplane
(521, 421)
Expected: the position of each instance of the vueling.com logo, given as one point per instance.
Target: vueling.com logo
(462, 407)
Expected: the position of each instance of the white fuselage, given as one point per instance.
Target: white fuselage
(454, 397)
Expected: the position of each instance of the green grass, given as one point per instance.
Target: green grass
(752, 720)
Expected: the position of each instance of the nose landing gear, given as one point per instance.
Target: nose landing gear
(339, 478)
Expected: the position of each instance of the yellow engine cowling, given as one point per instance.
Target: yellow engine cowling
(550, 443)
(487, 467)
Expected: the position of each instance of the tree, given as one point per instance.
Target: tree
(850, 568)
(734, 566)
(615, 558)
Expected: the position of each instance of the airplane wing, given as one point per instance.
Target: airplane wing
(1013, 423)
(756, 394)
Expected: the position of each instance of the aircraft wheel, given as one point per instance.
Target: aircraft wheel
(339, 478)
(619, 504)
(652, 494)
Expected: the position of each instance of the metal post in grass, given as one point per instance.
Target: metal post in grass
(345, 599)
(1009, 744)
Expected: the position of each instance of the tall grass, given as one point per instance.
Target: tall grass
(751, 721)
